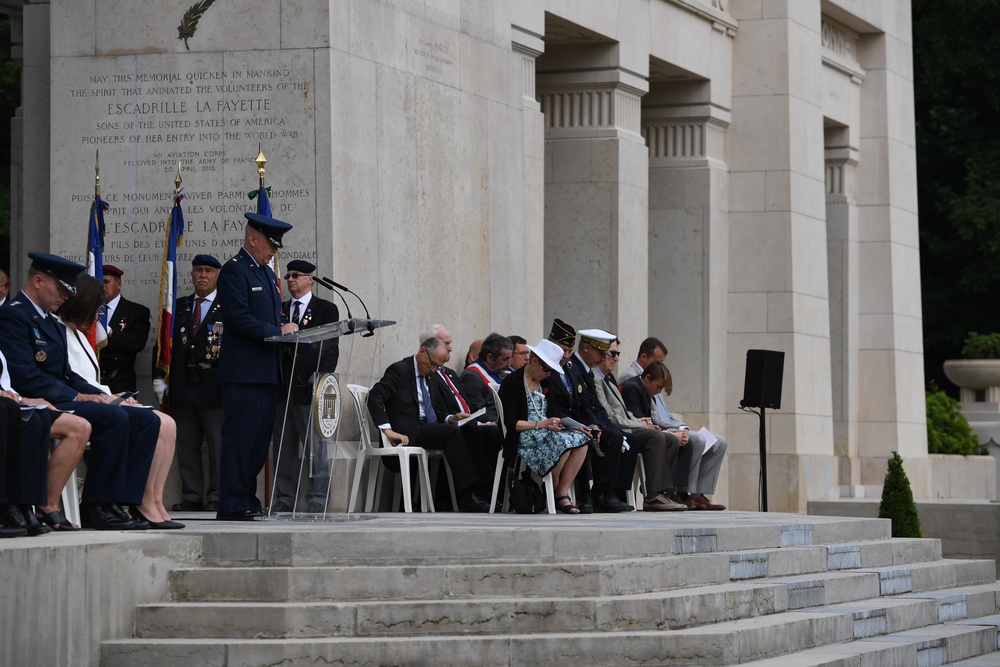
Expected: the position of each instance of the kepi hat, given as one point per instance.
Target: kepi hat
(597, 338)
(272, 228)
(63, 270)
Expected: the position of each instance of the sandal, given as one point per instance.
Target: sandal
(55, 520)
(568, 508)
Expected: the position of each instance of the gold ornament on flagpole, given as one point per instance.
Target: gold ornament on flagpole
(261, 161)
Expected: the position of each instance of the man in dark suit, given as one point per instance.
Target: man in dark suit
(193, 386)
(128, 328)
(308, 311)
(122, 438)
(488, 369)
(402, 407)
(249, 367)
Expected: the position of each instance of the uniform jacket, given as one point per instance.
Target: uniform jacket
(194, 365)
(251, 313)
(585, 407)
(128, 330)
(318, 312)
(35, 348)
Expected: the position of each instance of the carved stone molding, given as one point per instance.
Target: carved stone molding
(840, 163)
(606, 104)
(685, 136)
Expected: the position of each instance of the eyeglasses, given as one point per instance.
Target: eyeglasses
(612, 353)
(296, 275)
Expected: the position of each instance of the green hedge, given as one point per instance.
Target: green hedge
(948, 431)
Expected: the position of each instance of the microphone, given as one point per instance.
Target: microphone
(329, 285)
(371, 329)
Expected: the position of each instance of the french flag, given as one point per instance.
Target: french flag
(168, 286)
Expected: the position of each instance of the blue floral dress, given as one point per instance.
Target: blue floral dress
(541, 448)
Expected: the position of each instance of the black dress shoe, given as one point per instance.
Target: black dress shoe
(281, 506)
(609, 504)
(10, 522)
(315, 508)
(137, 523)
(32, 523)
(211, 506)
(242, 515)
(471, 502)
(188, 506)
(586, 505)
(101, 516)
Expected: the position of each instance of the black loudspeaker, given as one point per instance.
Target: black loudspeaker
(762, 385)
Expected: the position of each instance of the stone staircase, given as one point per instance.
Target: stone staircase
(689, 589)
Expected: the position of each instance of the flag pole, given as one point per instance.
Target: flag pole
(261, 161)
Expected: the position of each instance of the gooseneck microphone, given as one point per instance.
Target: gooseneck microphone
(371, 329)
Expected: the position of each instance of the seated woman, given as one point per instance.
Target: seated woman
(79, 313)
(541, 441)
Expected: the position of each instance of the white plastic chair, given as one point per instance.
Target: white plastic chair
(367, 450)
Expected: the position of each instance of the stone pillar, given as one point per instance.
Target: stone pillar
(892, 407)
(778, 281)
(842, 257)
(596, 200)
(688, 250)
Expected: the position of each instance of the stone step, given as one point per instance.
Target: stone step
(987, 660)
(600, 577)
(790, 638)
(517, 538)
(929, 646)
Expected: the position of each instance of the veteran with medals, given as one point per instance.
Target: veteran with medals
(193, 386)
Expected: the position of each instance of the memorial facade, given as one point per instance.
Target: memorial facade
(722, 174)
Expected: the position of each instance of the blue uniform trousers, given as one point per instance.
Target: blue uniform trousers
(246, 433)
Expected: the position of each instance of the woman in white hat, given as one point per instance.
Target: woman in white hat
(540, 440)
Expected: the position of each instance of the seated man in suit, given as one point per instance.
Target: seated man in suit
(658, 447)
(128, 328)
(494, 357)
(642, 397)
(519, 357)
(193, 386)
(482, 437)
(299, 433)
(650, 350)
(402, 408)
(122, 438)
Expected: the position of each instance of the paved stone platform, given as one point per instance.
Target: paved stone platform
(711, 588)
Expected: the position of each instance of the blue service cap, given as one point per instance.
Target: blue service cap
(63, 270)
(205, 260)
(272, 228)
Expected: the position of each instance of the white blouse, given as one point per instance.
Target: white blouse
(82, 359)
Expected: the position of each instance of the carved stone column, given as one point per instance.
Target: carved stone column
(596, 200)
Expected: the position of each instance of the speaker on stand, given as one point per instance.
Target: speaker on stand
(762, 389)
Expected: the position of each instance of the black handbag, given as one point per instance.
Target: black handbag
(525, 495)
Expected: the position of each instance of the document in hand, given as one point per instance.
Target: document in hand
(475, 415)
(710, 439)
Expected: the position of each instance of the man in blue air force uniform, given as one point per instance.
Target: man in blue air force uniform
(122, 438)
(249, 367)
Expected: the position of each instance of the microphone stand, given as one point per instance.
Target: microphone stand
(371, 329)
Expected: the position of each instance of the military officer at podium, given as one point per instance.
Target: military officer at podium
(195, 398)
(128, 329)
(249, 367)
(299, 434)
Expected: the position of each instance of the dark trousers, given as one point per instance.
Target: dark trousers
(194, 424)
(659, 457)
(122, 441)
(24, 454)
(246, 433)
(448, 438)
(484, 444)
(314, 463)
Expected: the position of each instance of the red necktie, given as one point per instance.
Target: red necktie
(196, 322)
(454, 390)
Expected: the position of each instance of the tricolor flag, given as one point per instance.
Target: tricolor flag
(97, 334)
(168, 286)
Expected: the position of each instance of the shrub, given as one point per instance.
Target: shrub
(948, 431)
(981, 346)
(897, 501)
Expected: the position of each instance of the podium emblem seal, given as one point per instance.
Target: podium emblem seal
(327, 399)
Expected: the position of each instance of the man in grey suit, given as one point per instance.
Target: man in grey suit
(658, 448)
(642, 397)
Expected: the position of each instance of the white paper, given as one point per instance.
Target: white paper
(569, 422)
(710, 439)
(475, 415)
